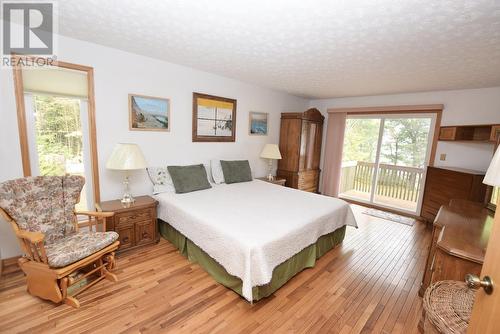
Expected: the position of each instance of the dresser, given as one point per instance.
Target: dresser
(300, 146)
(460, 235)
(136, 225)
(445, 183)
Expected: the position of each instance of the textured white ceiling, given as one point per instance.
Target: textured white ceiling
(309, 48)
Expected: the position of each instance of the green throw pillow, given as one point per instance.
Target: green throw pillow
(189, 178)
(236, 171)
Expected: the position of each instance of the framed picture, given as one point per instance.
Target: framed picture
(147, 113)
(258, 123)
(214, 118)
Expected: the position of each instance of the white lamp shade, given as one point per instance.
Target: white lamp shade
(271, 151)
(492, 177)
(126, 157)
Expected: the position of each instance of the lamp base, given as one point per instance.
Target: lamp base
(127, 198)
(270, 176)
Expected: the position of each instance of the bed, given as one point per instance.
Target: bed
(253, 236)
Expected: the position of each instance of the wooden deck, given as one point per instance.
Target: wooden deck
(367, 285)
(383, 200)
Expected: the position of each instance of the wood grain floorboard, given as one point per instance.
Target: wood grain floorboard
(368, 284)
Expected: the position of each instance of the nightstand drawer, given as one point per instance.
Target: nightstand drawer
(144, 232)
(126, 236)
(134, 216)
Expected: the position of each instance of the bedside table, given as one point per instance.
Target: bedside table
(276, 180)
(136, 225)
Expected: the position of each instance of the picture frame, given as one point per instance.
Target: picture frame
(148, 113)
(214, 118)
(258, 123)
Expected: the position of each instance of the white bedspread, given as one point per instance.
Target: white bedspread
(252, 227)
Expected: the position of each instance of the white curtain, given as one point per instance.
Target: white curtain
(334, 142)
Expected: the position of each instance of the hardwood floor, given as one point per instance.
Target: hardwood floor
(368, 284)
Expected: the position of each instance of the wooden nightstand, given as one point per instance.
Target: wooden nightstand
(136, 225)
(278, 181)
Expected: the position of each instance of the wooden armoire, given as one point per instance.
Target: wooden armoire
(300, 147)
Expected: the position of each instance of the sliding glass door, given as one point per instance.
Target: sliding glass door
(384, 159)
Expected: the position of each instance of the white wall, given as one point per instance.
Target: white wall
(469, 106)
(119, 73)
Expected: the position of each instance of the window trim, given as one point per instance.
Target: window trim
(490, 189)
(21, 116)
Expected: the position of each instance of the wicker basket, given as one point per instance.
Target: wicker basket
(447, 306)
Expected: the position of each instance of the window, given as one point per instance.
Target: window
(58, 139)
(56, 120)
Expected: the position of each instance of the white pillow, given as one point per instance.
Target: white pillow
(160, 177)
(209, 172)
(217, 173)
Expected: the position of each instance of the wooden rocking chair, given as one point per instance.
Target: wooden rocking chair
(57, 256)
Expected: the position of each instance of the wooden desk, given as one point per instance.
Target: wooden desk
(459, 238)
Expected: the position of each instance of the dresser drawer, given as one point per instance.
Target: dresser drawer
(134, 216)
(448, 179)
(308, 180)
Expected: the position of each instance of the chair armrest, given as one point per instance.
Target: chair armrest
(33, 237)
(33, 244)
(99, 218)
(95, 214)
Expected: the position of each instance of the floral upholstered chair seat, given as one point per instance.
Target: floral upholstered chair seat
(77, 246)
(46, 204)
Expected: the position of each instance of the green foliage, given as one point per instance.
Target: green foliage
(58, 133)
(360, 139)
(404, 141)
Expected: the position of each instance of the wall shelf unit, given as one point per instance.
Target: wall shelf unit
(485, 133)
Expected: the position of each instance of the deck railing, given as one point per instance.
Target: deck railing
(397, 182)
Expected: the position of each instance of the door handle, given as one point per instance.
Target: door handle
(474, 282)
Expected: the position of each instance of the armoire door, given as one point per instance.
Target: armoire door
(310, 145)
(290, 141)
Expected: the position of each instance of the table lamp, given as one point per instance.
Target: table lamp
(492, 177)
(126, 157)
(270, 152)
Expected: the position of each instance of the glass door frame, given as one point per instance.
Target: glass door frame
(427, 162)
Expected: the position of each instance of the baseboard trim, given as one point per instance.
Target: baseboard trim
(9, 265)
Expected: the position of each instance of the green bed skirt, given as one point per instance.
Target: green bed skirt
(306, 258)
